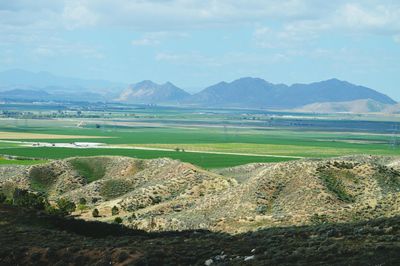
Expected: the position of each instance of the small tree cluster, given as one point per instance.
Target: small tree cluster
(24, 198)
(65, 206)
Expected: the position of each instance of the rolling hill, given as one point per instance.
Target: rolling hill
(168, 195)
(357, 106)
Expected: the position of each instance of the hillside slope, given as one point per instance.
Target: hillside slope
(358, 106)
(27, 238)
(165, 195)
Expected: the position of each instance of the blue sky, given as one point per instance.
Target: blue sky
(197, 43)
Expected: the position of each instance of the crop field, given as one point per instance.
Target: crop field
(208, 138)
(4, 161)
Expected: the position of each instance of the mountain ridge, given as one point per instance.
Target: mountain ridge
(260, 93)
(245, 92)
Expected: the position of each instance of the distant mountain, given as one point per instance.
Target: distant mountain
(41, 95)
(42, 86)
(17, 94)
(258, 93)
(244, 93)
(150, 92)
(17, 79)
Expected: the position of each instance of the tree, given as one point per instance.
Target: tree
(95, 213)
(114, 211)
(65, 206)
(118, 220)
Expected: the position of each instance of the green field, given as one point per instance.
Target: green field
(238, 138)
(203, 160)
(20, 162)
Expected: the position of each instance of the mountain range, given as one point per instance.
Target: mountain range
(242, 93)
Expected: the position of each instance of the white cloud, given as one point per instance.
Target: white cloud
(155, 38)
(167, 15)
(78, 15)
(228, 59)
(190, 59)
(55, 47)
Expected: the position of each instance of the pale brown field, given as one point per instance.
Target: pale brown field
(19, 135)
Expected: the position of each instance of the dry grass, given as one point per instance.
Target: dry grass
(19, 135)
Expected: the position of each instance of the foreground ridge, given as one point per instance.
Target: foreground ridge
(168, 195)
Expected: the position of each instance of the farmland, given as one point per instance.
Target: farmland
(210, 138)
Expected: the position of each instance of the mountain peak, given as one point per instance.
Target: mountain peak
(250, 79)
(146, 83)
(148, 91)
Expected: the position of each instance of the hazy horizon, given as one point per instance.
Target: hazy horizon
(195, 44)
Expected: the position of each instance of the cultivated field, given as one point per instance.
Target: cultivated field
(208, 138)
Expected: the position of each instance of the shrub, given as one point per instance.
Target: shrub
(2, 198)
(95, 213)
(114, 188)
(114, 211)
(156, 199)
(118, 220)
(82, 201)
(317, 219)
(262, 209)
(65, 206)
(51, 210)
(24, 198)
(82, 207)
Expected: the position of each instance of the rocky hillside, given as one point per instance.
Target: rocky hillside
(148, 92)
(165, 195)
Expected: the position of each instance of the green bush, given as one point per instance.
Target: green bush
(51, 210)
(2, 198)
(82, 201)
(82, 207)
(95, 213)
(114, 211)
(65, 206)
(118, 220)
(24, 198)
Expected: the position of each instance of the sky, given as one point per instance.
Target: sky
(196, 43)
